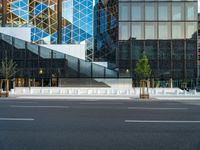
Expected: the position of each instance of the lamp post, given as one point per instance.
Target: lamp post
(41, 73)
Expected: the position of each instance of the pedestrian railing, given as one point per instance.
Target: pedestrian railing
(99, 91)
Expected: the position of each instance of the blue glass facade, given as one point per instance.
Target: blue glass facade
(42, 15)
(106, 31)
(117, 31)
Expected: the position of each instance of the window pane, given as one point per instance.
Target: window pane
(138, 30)
(177, 30)
(191, 29)
(45, 52)
(124, 13)
(191, 11)
(137, 11)
(164, 11)
(124, 31)
(150, 30)
(150, 11)
(164, 30)
(177, 11)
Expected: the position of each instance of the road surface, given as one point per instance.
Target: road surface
(99, 125)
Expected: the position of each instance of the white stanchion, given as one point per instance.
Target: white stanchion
(99, 91)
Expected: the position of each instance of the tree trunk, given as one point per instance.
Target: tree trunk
(7, 87)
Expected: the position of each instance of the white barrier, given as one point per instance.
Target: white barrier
(99, 91)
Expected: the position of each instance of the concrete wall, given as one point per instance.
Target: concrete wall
(23, 33)
(117, 83)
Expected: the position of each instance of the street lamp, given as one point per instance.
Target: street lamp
(41, 73)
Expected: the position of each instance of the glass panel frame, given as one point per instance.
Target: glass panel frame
(124, 30)
(164, 30)
(164, 11)
(191, 30)
(124, 11)
(137, 11)
(150, 11)
(178, 11)
(137, 29)
(190, 11)
(150, 30)
(178, 30)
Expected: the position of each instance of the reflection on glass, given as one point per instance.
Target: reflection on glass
(124, 31)
(191, 29)
(177, 11)
(137, 10)
(164, 11)
(150, 30)
(124, 11)
(164, 30)
(138, 30)
(1, 12)
(150, 11)
(45, 52)
(177, 30)
(191, 11)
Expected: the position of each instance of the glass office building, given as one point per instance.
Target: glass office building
(106, 31)
(198, 61)
(52, 21)
(115, 32)
(165, 30)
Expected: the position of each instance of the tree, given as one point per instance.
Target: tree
(143, 69)
(7, 71)
(8, 68)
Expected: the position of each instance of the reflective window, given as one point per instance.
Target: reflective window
(1, 12)
(124, 31)
(45, 52)
(177, 11)
(138, 30)
(190, 9)
(177, 30)
(191, 29)
(164, 30)
(164, 11)
(137, 11)
(150, 11)
(124, 13)
(150, 30)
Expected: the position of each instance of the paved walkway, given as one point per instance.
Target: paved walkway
(101, 97)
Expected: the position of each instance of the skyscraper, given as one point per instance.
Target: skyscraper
(112, 33)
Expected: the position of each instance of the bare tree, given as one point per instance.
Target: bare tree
(7, 70)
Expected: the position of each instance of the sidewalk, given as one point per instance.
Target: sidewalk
(186, 97)
(70, 97)
(102, 97)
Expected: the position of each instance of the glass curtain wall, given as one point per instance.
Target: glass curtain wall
(165, 30)
(106, 31)
(52, 21)
(1, 10)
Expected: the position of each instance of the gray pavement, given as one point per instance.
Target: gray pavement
(103, 97)
(53, 124)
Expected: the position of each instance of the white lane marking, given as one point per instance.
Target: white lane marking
(17, 119)
(90, 103)
(24, 106)
(161, 121)
(27, 102)
(154, 108)
(18, 102)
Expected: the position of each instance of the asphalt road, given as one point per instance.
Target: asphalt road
(99, 125)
